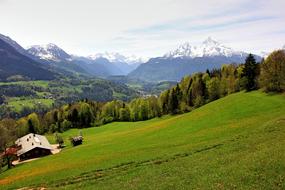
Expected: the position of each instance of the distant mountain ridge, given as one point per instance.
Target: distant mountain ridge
(208, 48)
(102, 65)
(184, 60)
(14, 64)
(117, 57)
(15, 45)
(49, 52)
(126, 64)
(57, 58)
(188, 59)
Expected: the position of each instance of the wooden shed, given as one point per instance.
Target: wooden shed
(76, 140)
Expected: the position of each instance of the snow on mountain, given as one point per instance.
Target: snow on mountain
(208, 48)
(49, 52)
(117, 57)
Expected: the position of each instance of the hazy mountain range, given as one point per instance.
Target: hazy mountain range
(51, 61)
(187, 59)
(102, 65)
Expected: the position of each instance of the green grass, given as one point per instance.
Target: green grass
(33, 83)
(117, 95)
(19, 103)
(237, 142)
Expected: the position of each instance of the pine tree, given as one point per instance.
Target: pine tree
(31, 126)
(250, 73)
(173, 101)
(74, 117)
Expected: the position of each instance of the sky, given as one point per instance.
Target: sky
(146, 28)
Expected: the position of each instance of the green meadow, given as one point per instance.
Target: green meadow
(33, 83)
(19, 103)
(237, 142)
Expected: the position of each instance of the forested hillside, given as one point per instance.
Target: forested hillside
(21, 98)
(191, 93)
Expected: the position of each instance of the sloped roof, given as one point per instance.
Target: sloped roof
(31, 141)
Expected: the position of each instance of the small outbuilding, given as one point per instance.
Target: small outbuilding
(32, 146)
(76, 140)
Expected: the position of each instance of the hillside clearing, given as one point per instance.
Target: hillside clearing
(237, 142)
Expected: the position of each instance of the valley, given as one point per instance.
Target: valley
(24, 97)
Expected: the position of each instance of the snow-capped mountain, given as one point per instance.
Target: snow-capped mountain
(208, 48)
(188, 59)
(108, 63)
(126, 64)
(117, 57)
(49, 52)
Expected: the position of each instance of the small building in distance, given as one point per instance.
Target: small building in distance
(76, 140)
(32, 146)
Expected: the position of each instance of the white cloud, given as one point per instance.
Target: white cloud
(146, 28)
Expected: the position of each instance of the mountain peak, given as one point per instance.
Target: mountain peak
(51, 45)
(207, 48)
(210, 41)
(49, 52)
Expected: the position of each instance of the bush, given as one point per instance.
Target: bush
(59, 140)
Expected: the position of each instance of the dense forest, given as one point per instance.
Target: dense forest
(192, 92)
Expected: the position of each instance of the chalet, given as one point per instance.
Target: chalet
(32, 146)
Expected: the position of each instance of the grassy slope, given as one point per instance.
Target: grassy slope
(34, 83)
(18, 103)
(237, 142)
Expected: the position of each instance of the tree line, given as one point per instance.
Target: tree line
(192, 92)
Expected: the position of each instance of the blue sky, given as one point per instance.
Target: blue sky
(146, 28)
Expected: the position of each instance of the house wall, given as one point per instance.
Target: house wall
(35, 153)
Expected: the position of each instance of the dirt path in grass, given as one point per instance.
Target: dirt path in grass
(124, 167)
